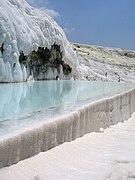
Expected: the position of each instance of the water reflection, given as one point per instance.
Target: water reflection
(23, 98)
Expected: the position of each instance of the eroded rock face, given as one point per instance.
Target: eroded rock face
(32, 44)
(45, 64)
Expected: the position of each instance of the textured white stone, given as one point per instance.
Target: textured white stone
(24, 28)
(96, 156)
(100, 63)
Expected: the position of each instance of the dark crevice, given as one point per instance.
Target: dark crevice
(22, 58)
(2, 48)
(66, 69)
(38, 63)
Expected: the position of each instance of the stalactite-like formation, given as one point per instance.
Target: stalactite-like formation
(45, 64)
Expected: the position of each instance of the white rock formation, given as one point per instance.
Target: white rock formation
(96, 156)
(105, 64)
(24, 28)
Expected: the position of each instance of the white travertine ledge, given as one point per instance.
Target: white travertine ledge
(89, 118)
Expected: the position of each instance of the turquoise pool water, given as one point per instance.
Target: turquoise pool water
(20, 99)
(25, 105)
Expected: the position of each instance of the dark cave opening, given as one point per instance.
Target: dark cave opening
(45, 64)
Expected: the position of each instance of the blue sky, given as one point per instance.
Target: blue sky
(99, 22)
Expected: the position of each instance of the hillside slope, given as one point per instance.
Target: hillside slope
(106, 64)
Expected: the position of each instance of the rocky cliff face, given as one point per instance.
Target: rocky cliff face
(32, 45)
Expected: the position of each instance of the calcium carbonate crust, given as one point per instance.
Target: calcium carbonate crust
(24, 28)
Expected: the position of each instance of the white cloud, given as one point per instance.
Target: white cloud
(42, 5)
(38, 2)
(50, 12)
(68, 30)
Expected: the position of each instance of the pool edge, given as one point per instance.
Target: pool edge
(89, 118)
